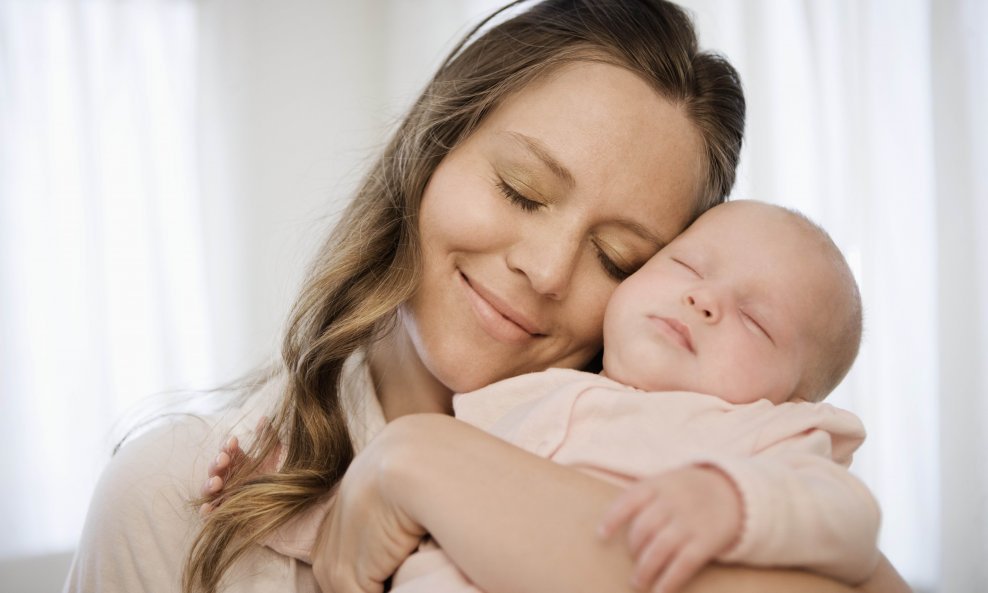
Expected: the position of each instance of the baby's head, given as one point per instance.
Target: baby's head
(752, 301)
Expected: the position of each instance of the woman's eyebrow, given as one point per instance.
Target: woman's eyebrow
(542, 152)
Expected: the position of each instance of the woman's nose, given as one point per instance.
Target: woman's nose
(547, 261)
(704, 302)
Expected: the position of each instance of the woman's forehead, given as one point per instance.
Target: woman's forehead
(601, 130)
(595, 104)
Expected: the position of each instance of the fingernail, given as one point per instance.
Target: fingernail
(213, 484)
(230, 444)
(219, 460)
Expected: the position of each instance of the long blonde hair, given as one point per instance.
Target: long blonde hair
(369, 265)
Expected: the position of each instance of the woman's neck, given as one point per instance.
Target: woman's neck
(403, 383)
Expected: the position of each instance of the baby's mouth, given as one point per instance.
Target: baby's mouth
(678, 331)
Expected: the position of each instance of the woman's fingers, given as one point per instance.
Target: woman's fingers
(368, 532)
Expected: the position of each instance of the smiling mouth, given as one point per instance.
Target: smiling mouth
(675, 330)
(496, 317)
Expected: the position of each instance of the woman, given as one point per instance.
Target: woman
(546, 160)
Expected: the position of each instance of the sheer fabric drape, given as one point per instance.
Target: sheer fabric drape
(101, 276)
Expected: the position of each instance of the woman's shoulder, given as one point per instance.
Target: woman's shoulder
(164, 462)
(167, 450)
(141, 517)
(173, 449)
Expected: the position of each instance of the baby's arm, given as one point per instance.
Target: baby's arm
(804, 509)
(794, 507)
(230, 455)
(790, 511)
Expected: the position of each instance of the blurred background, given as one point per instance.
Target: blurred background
(167, 168)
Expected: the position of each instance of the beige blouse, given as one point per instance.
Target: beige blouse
(141, 522)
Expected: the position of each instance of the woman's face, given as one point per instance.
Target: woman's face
(530, 223)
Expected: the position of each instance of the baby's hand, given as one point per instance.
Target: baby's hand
(677, 523)
(229, 457)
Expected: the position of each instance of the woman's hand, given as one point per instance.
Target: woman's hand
(885, 579)
(367, 533)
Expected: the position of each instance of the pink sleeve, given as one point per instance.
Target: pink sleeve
(802, 508)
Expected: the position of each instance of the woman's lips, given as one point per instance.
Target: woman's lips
(675, 330)
(503, 322)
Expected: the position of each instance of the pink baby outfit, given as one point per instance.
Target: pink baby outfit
(801, 506)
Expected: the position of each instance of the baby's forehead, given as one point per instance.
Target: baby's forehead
(751, 214)
(769, 247)
(752, 229)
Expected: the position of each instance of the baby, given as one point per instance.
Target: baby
(716, 352)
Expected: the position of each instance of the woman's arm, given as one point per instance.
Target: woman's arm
(513, 521)
(884, 580)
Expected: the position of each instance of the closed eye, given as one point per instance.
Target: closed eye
(613, 270)
(516, 198)
(688, 267)
(752, 322)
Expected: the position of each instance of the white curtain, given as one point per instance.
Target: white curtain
(869, 117)
(127, 172)
(101, 276)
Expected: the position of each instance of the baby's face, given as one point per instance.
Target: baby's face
(730, 308)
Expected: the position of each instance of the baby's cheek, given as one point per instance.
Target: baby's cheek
(591, 311)
(737, 378)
